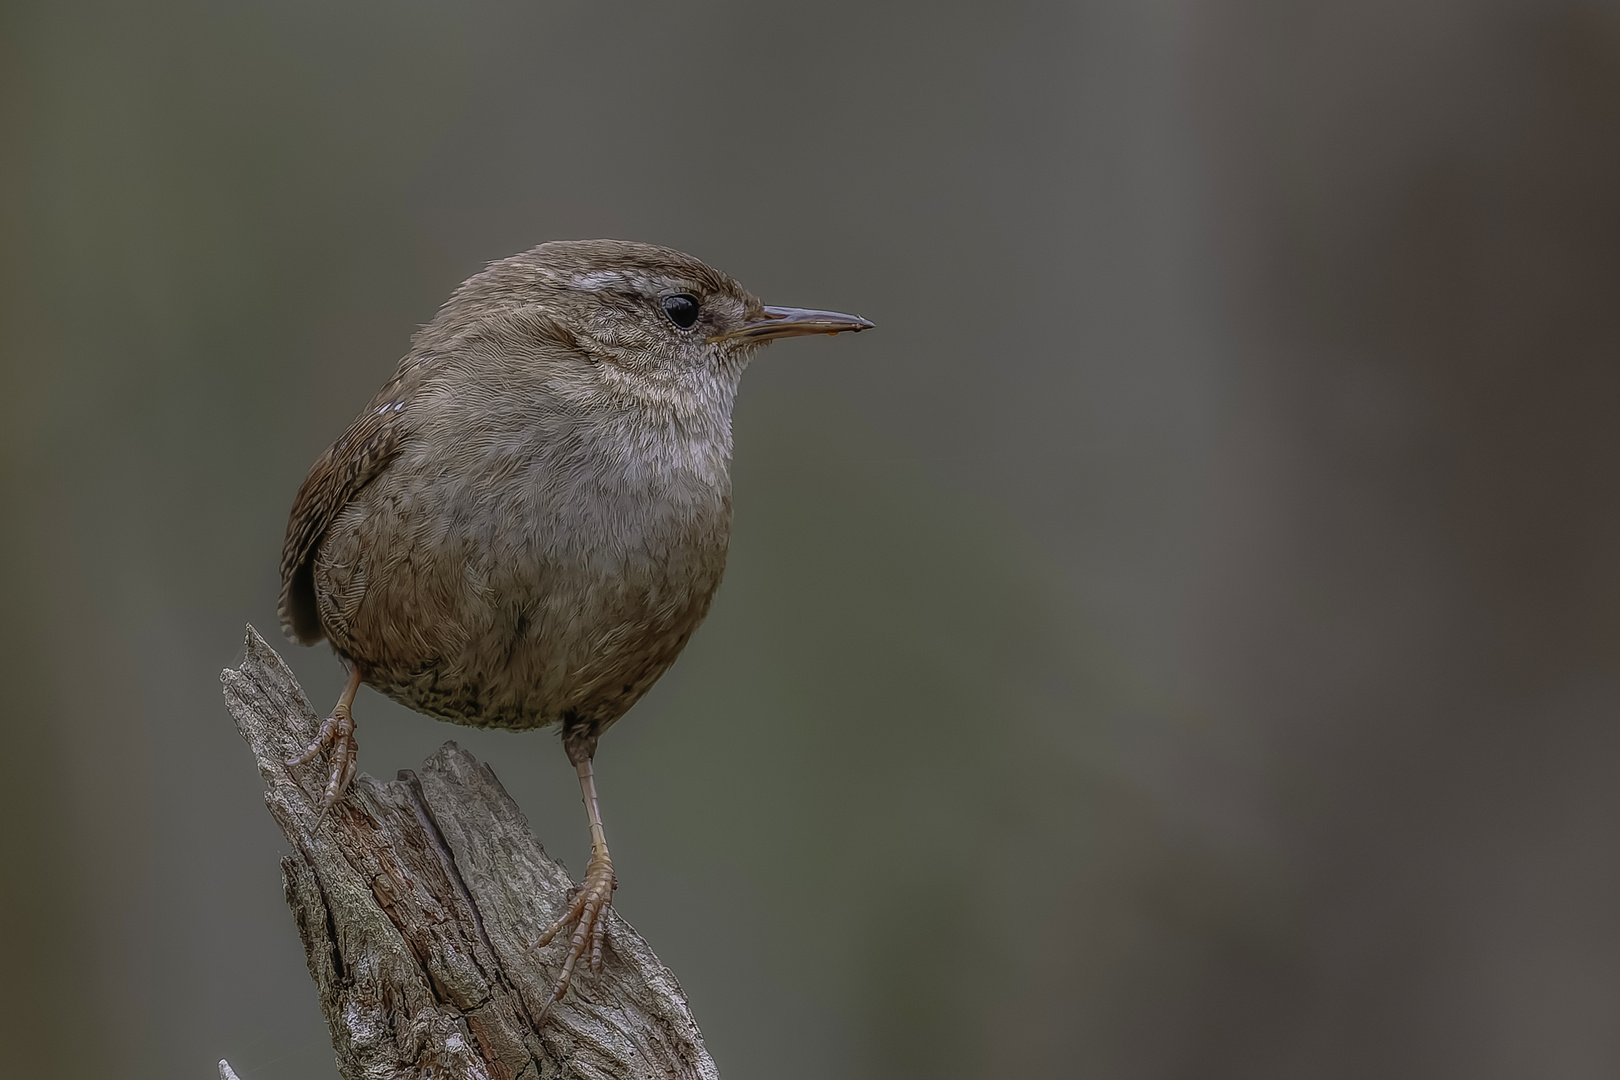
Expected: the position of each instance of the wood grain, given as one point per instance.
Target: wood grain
(418, 901)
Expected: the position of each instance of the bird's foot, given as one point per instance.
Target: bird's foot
(588, 916)
(338, 733)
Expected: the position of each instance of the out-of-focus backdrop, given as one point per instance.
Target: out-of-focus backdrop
(1180, 641)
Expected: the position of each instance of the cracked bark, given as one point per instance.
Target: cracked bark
(418, 902)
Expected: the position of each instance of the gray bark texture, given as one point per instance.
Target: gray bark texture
(418, 902)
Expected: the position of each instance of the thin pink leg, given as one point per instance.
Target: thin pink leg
(587, 913)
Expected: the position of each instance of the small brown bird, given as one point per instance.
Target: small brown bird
(527, 523)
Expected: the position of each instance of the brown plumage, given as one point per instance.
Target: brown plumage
(528, 521)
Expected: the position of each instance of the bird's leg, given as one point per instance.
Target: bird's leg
(587, 914)
(337, 732)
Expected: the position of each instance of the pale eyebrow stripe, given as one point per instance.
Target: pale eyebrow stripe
(598, 279)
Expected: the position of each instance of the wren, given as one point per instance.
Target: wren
(529, 520)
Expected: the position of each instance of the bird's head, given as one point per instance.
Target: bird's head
(650, 317)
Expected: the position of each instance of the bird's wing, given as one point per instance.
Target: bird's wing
(355, 460)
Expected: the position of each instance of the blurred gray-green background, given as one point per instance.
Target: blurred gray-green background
(1180, 642)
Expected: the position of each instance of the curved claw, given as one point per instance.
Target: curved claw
(587, 916)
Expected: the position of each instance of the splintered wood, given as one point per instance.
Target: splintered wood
(419, 901)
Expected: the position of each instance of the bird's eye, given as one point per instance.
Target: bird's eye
(682, 309)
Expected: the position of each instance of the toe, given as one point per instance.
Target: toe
(328, 731)
(567, 919)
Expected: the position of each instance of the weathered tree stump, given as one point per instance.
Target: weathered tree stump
(418, 902)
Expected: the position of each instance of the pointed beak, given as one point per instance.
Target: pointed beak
(791, 322)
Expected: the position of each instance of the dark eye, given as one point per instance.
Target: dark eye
(682, 309)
